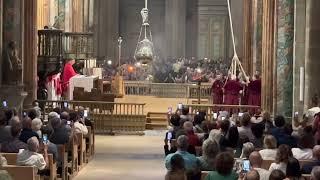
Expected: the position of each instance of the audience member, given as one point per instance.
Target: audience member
(31, 157)
(177, 171)
(224, 164)
(210, 149)
(193, 138)
(282, 132)
(32, 114)
(185, 116)
(307, 168)
(60, 133)
(4, 129)
(78, 125)
(36, 126)
(247, 149)
(84, 118)
(257, 129)
(315, 173)
(277, 175)
(252, 175)
(9, 114)
(283, 154)
(27, 132)
(215, 135)
(245, 132)
(229, 135)
(191, 162)
(304, 150)
(13, 144)
(268, 123)
(197, 120)
(256, 164)
(293, 169)
(270, 145)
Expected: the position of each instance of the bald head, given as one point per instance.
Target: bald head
(252, 175)
(33, 144)
(255, 159)
(316, 152)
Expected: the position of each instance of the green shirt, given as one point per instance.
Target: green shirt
(214, 175)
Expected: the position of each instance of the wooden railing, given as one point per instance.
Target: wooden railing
(167, 90)
(108, 117)
(210, 109)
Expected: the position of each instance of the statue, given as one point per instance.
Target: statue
(12, 66)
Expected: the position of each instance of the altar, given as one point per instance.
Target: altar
(86, 82)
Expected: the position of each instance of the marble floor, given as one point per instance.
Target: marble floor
(126, 157)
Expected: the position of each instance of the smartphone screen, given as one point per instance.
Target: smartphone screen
(65, 104)
(215, 115)
(180, 106)
(4, 103)
(223, 118)
(246, 165)
(169, 136)
(240, 114)
(85, 113)
(68, 122)
(45, 139)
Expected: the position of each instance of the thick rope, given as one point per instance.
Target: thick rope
(232, 32)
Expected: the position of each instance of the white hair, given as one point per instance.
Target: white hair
(33, 144)
(315, 173)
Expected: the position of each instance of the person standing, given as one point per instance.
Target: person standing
(217, 90)
(254, 91)
(68, 73)
(232, 90)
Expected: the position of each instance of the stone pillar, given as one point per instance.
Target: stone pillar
(175, 28)
(312, 50)
(247, 36)
(299, 55)
(30, 51)
(268, 55)
(257, 35)
(106, 29)
(284, 64)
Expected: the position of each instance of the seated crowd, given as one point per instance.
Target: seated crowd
(243, 146)
(33, 138)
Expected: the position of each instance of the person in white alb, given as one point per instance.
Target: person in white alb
(78, 126)
(31, 157)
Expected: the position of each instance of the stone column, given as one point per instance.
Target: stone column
(175, 28)
(312, 50)
(299, 55)
(106, 20)
(247, 36)
(268, 55)
(257, 35)
(284, 64)
(30, 51)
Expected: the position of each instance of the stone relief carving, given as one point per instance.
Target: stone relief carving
(12, 65)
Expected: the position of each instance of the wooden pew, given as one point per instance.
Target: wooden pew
(81, 150)
(21, 172)
(73, 153)
(52, 166)
(89, 144)
(63, 155)
(306, 176)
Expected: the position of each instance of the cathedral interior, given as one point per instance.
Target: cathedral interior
(277, 39)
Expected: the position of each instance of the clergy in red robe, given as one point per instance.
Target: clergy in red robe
(232, 91)
(68, 73)
(254, 91)
(217, 90)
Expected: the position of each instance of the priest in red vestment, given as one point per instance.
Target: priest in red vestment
(68, 73)
(254, 91)
(217, 90)
(232, 90)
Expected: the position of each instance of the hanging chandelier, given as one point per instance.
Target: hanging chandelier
(144, 51)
